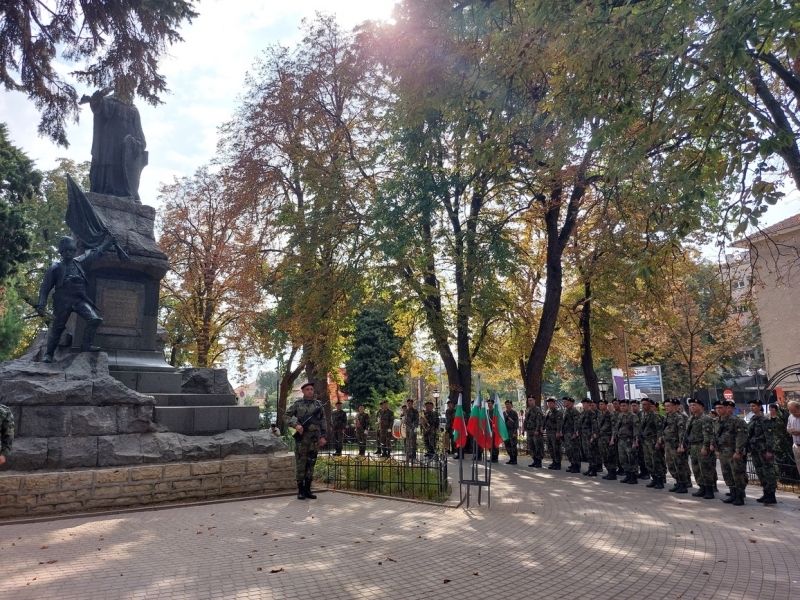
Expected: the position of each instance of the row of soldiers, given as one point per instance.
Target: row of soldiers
(619, 436)
(427, 422)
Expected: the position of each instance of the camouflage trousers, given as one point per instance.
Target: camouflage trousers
(384, 440)
(734, 471)
(361, 438)
(765, 468)
(430, 440)
(338, 439)
(654, 457)
(511, 446)
(572, 448)
(678, 464)
(411, 443)
(628, 455)
(704, 467)
(555, 446)
(305, 456)
(592, 451)
(535, 445)
(608, 453)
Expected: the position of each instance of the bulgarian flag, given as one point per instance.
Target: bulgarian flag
(460, 425)
(498, 424)
(477, 423)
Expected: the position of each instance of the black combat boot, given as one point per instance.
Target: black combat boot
(575, 467)
(659, 484)
(551, 465)
(701, 492)
(611, 476)
(301, 490)
(645, 474)
(731, 496)
(769, 499)
(557, 466)
(709, 493)
(633, 480)
(682, 489)
(513, 461)
(653, 482)
(308, 490)
(588, 470)
(621, 471)
(591, 473)
(533, 464)
(763, 495)
(537, 463)
(627, 477)
(739, 501)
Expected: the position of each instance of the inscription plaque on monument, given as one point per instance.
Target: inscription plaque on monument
(122, 305)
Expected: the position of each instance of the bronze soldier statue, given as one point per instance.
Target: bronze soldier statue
(68, 278)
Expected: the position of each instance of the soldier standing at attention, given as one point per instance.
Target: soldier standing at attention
(672, 435)
(589, 434)
(362, 426)
(495, 451)
(605, 429)
(431, 429)
(617, 413)
(385, 420)
(626, 438)
(761, 441)
(731, 436)
(554, 425)
(412, 424)
(534, 423)
(338, 424)
(698, 441)
(511, 418)
(449, 420)
(635, 410)
(6, 433)
(308, 420)
(652, 426)
(572, 443)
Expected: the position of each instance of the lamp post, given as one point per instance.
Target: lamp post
(603, 387)
(436, 399)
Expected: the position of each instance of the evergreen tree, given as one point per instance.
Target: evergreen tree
(373, 371)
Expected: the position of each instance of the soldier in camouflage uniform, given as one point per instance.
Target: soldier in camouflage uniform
(431, 430)
(411, 418)
(449, 420)
(699, 442)
(589, 431)
(635, 410)
(6, 432)
(511, 419)
(338, 424)
(626, 438)
(308, 419)
(605, 429)
(652, 424)
(362, 426)
(731, 444)
(761, 442)
(534, 423)
(617, 413)
(569, 430)
(554, 426)
(384, 420)
(672, 434)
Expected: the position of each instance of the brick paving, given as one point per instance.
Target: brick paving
(547, 535)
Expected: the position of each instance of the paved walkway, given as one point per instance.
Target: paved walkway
(547, 535)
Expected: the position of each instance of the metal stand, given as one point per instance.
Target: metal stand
(480, 475)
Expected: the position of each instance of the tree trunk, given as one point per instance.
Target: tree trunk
(285, 386)
(587, 362)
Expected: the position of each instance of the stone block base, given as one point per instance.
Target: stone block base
(33, 494)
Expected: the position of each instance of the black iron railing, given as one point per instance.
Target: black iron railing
(788, 478)
(423, 479)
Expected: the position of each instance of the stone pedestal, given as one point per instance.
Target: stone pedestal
(127, 292)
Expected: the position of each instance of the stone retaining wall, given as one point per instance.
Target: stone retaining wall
(29, 494)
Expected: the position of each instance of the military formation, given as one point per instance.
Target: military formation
(624, 440)
(634, 439)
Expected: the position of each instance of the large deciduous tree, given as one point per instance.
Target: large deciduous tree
(117, 43)
(214, 242)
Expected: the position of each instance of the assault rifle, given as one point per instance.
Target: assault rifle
(313, 416)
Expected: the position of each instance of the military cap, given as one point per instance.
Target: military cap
(384, 401)
(449, 402)
(676, 401)
(509, 402)
(409, 400)
(624, 401)
(603, 401)
(365, 406)
(730, 403)
(716, 402)
(306, 384)
(635, 401)
(490, 400)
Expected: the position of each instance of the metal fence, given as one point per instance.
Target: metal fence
(788, 477)
(424, 479)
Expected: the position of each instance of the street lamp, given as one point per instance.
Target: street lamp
(436, 399)
(603, 387)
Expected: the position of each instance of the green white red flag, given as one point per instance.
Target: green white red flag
(498, 424)
(460, 425)
(478, 426)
